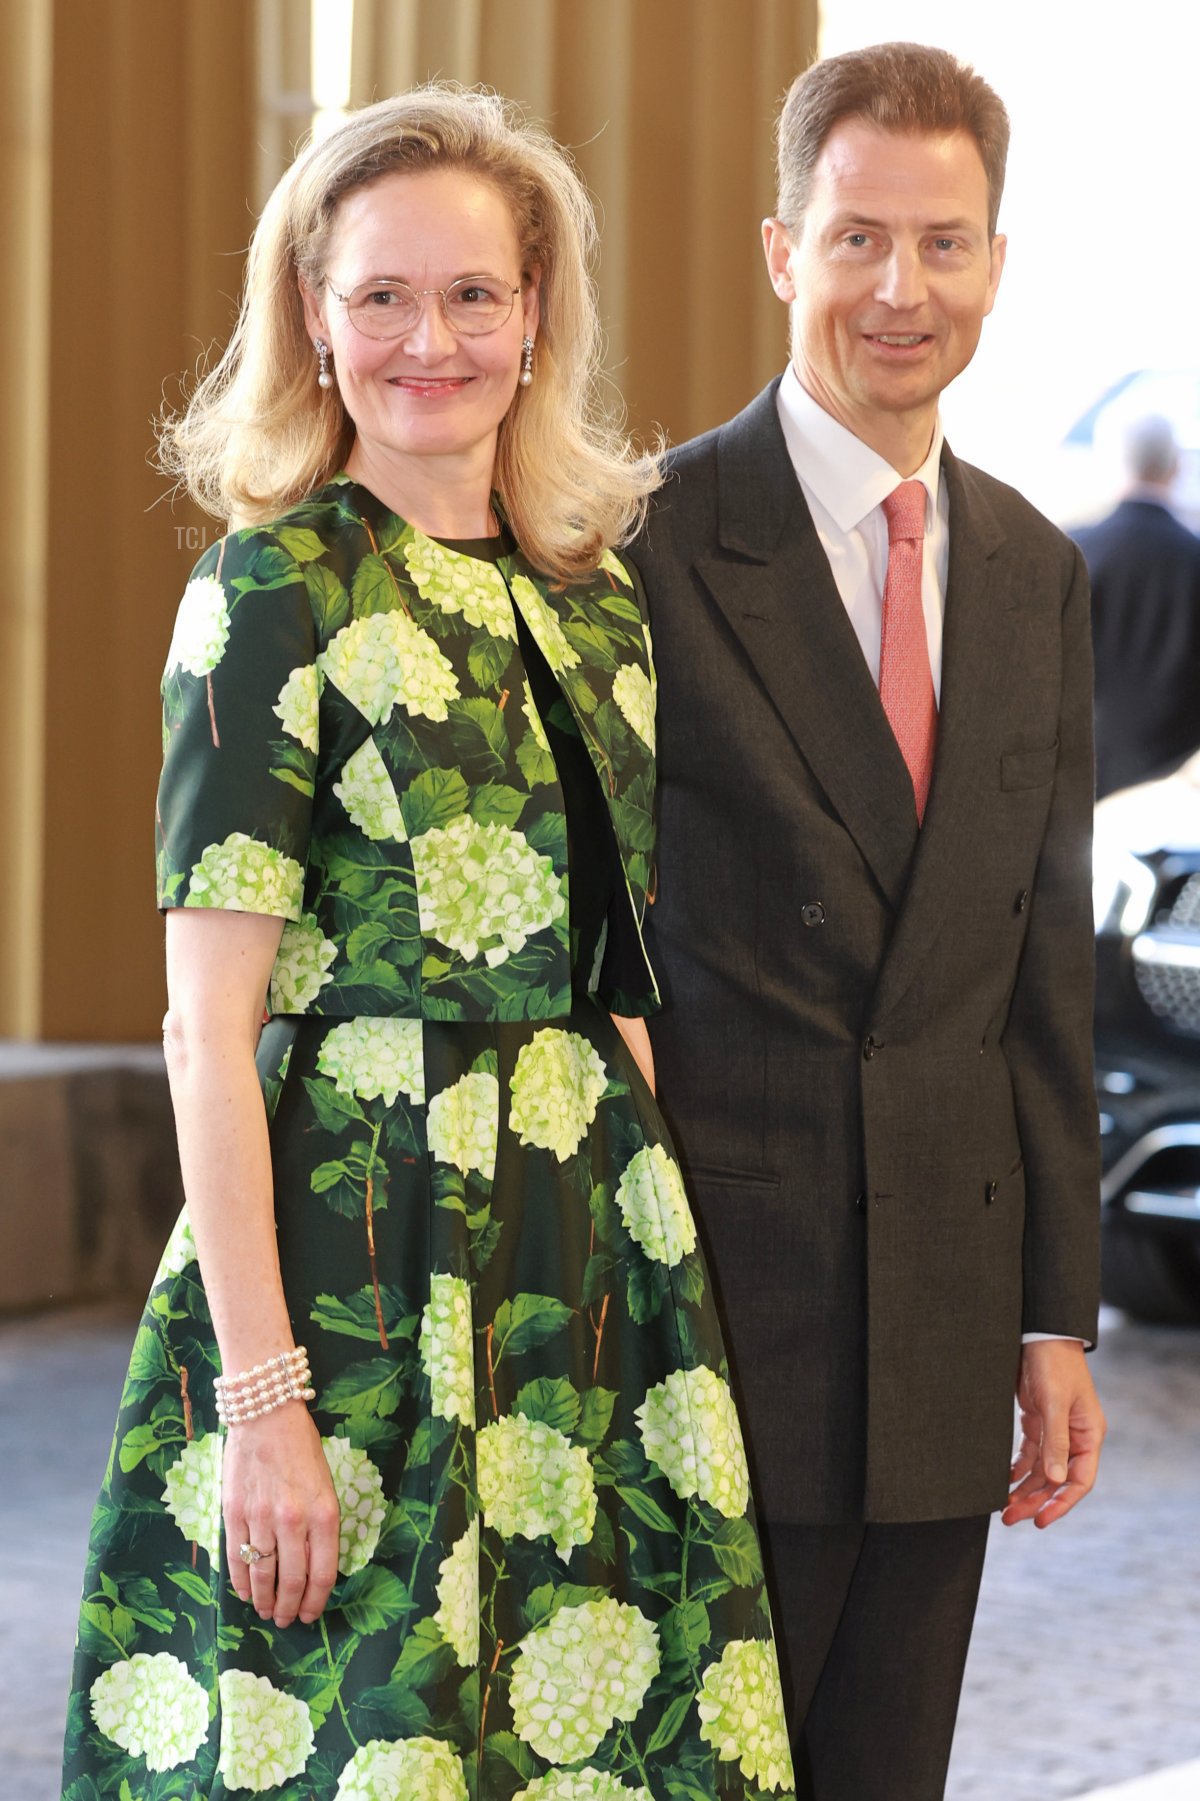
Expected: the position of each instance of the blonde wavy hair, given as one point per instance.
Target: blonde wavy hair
(258, 434)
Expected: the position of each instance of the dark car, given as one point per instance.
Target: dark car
(1147, 905)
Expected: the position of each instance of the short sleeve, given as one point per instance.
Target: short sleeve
(240, 743)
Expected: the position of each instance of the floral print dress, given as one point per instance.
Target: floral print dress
(436, 767)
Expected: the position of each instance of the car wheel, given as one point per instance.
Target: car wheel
(1154, 1277)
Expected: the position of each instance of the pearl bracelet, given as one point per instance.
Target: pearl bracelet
(247, 1396)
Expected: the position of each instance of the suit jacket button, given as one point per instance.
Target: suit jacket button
(1022, 901)
(812, 914)
(989, 1193)
(870, 1047)
(860, 1201)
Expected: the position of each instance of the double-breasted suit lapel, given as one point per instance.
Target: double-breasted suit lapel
(780, 601)
(782, 604)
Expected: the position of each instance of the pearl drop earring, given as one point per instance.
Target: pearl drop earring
(324, 378)
(526, 375)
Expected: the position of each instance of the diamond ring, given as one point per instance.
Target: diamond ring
(249, 1554)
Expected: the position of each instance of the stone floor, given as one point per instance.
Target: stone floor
(1085, 1668)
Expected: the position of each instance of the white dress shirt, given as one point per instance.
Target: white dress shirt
(845, 483)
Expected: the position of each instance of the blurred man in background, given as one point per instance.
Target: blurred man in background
(1145, 570)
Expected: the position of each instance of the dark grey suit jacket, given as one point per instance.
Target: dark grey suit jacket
(876, 1053)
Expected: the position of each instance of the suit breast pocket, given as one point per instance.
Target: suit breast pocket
(1028, 768)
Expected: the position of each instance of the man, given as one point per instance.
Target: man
(1145, 570)
(873, 924)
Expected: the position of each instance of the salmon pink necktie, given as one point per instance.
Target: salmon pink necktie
(905, 680)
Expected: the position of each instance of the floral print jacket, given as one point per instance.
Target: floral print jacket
(350, 744)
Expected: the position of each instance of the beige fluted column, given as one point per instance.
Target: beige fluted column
(24, 328)
(151, 155)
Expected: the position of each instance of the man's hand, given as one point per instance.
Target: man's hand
(1062, 1429)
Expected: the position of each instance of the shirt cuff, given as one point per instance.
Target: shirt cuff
(1052, 1337)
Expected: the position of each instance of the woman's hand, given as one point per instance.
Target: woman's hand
(279, 1497)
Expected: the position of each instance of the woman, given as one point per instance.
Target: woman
(490, 1534)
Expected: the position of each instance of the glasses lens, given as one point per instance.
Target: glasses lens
(478, 303)
(383, 309)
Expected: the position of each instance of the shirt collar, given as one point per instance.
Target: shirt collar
(847, 477)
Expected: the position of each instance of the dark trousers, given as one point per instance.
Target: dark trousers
(873, 1624)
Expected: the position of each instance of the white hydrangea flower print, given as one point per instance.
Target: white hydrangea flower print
(534, 1483)
(297, 705)
(376, 1056)
(368, 795)
(459, 584)
(556, 1088)
(266, 1735)
(464, 1123)
(244, 875)
(690, 1429)
(384, 661)
(654, 1205)
(635, 697)
(481, 888)
(581, 1785)
(180, 1249)
(457, 1617)
(152, 1708)
(741, 1713)
(573, 1677)
(403, 1769)
(361, 1506)
(201, 628)
(192, 1492)
(302, 966)
(535, 719)
(448, 1349)
(552, 640)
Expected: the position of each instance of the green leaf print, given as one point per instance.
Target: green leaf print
(151, 1441)
(106, 1632)
(426, 1656)
(148, 1361)
(393, 1712)
(271, 568)
(487, 660)
(595, 1417)
(480, 737)
(669, 1725)
(302, 545)
(435, 798)
(734, 1544)
(551, 1399)
(370, 1387)
(372, 1600)
(293, 765)
(544, 1602)
(373, 587)
(328, 599)
(647, 1509)
(535, 763)
(406, 1527)
(525, 1321)
(507, 1748)
(496, 804)
(140, 1599)
(334, 1110)
(193, 1585)
(647, 1287)
(353, 1315)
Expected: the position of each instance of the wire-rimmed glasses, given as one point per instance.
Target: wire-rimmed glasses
(471, 306)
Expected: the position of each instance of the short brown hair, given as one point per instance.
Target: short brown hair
(897, 87)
